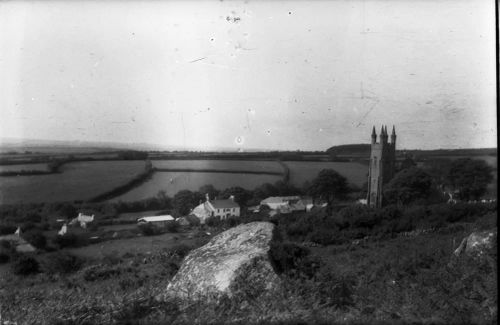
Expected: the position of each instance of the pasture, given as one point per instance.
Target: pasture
(137, 245)
(78, 181)
(302, 171)
(173, 182)
(25, 167)
(230, 165)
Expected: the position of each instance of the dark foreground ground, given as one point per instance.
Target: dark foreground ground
(405, 279)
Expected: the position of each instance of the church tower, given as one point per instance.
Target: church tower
(382, 165)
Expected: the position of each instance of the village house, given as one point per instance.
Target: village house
(160, 221)
(287, 204)
(82, 220)
(216, 208)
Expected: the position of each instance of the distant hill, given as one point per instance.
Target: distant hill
(351, 150)
(363, 150)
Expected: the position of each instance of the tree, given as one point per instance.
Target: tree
(407, 163)
(410, 185)
(329, 186)
(184, 201)
(286, 189)
(264, 191)
(470, 177)
(241, 196)
(210, 190)
(68, 210)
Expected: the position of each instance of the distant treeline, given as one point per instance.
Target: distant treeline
(343, 153)
(53, 168)
(363, 151)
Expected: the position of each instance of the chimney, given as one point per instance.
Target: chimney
(207, 197)
(231, 198)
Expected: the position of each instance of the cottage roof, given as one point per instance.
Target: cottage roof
(156, 218)
(279, 199)
(224, 204)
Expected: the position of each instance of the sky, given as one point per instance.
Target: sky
(285, 75)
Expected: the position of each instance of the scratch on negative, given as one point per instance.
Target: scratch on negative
(366, 114)
(197, 60)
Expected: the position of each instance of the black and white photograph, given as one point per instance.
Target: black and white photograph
(248, 162)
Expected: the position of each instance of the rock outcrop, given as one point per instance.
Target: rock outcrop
(477, 243)
(234, 263)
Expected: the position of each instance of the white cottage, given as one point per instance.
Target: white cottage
(217, 208)
(287, 204)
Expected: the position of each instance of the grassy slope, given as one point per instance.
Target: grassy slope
(413, 279)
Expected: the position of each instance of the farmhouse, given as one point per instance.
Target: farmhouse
(82, 220)
(156, 220)
(287, 204)
(217, 208)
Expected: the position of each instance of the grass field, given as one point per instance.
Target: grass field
(301, 171)
(173, 182)
(78, 181)
(137, 245)
(20, 167)
(233, 165)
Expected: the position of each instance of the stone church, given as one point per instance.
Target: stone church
(382, 165)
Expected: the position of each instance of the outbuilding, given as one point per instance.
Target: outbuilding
(156, 220)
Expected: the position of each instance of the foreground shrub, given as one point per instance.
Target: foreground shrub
(71, 240)
(291, 259)
(25, 265)
(172, 226)
(148, 229)
(179, 250)
(36, 238)
(62, 262)
(4, 257)
(213, 222)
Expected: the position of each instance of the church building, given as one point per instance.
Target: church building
(382, 165)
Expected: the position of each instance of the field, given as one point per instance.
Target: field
(301, 171)
(78, 181)
(84, 180)
(20, 167)
(173, 182)
(233, 165)
(138, 245)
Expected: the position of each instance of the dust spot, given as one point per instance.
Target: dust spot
(233, 19)
(239, 140)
